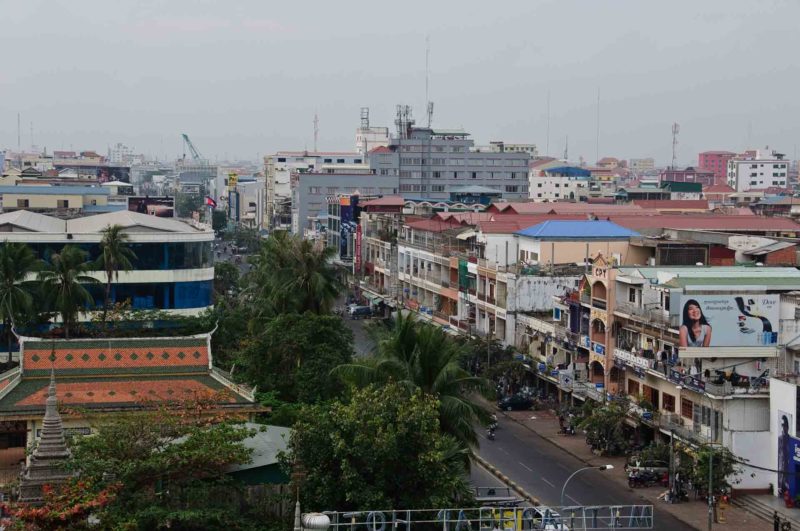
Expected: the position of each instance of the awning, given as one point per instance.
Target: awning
(467, 234)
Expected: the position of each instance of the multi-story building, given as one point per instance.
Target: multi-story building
(120, 154)
(278, 170)
(640, 166)
(53, 198)
(715, 162)
(498, 146)
(693, 348)
(758, 171)
(431, 162)
(310, 193)
(174, 265)
(246, 201)
(559, 184)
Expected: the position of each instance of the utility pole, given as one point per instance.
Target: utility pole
(316, 131)
(547, 145)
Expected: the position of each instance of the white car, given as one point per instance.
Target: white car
(548, 519)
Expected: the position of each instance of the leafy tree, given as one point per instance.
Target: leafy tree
(294, 275)
(219, 220)
(725, 467)
(226, 278)
(65, 509)
(424, 357)
(188, 203)
(294, 355)
(382, 449)
(604, 428)
(16, 294)
(166, 467)
(63, 282)
(114, 255)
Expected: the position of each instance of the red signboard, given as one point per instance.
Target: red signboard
(357, 251)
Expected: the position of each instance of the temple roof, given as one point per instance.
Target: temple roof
(117, 374)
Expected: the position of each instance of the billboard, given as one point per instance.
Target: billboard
(747, 320)
(162, 207)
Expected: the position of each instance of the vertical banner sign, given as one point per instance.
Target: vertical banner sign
(357, 252)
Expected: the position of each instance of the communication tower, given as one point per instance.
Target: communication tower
(675, 130)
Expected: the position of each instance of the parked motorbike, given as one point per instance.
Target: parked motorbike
(567, 430)
(490, 433)
(642, 479)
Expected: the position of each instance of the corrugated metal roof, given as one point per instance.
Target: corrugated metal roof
(559, 229)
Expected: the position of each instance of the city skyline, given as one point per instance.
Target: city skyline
(247, 80)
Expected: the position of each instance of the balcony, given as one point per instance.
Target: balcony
(598, 337)
(648, 314)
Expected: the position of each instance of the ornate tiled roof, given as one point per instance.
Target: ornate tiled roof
(114, 374)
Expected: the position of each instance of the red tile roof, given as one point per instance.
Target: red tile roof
(380, 149)
(121, 392)
(673, 204)
(719, 188)
(707, 222)
(557, 207)
(389, 200)
(435, 225)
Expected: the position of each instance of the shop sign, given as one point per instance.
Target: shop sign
(584, 342)
(599, 349)
(629, 359)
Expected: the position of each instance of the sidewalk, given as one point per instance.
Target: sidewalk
(694, 513)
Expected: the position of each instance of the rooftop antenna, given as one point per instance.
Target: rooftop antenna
(675, 130)
(597, 139)
(19, 134)
(547, 145)
(566, 149)
(428, 103)
(32, 145)
(316, 131)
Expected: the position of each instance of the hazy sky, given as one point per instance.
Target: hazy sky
(244, 78)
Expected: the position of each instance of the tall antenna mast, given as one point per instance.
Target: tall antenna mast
(32, 148)
(547, 145)
(597, 139)
(675, 130)
(428, 102)
(316, 131)
(566, 149)
(19, 134)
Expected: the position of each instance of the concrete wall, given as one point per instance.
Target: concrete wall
(575, 252)
(534, 293)
(36, 201)
(750, 447)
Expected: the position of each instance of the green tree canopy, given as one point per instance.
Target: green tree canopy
(115, 255)
(422, 356)
(166, 468)
(294, 355)
(383, 449)
(63, 282)
(16, 293)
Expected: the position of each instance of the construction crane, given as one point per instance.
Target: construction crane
(192, 149)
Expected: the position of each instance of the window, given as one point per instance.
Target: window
(356, 161)
(633, 387)
(22, 203)
(474, 175)
(686, 408)
(314, 189)
(512, 188)
(668, 403)
(339, 161)
(437, 174)
(437, 188)
(538, 185)
(405, 187)
(327, 160)
(281, 159)
(632, 295)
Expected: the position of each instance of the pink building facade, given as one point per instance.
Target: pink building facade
(716, 162)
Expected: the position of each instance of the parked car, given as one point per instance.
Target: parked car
(546, 518)
(360, 312)
(515, 402)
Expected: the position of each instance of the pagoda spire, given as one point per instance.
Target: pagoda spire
(46, 466)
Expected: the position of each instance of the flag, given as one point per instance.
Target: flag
(210, 202)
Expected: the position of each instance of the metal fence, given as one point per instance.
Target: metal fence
(498, 518)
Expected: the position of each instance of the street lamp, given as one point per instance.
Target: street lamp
(564, 488)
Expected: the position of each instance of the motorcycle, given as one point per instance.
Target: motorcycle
(567, 430)
(490, 433)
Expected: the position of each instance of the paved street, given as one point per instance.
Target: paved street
(541, 469)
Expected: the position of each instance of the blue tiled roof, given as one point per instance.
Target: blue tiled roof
(55, 190)
(577, 230)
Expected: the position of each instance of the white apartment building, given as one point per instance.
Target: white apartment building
(642, 165)
(559, 184)
(757, 171)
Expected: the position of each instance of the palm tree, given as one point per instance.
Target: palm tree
(114, 255)
(62, 284)
(292, 275)
(422, 356)
(16, 299)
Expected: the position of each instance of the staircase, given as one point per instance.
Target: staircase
(765, 506)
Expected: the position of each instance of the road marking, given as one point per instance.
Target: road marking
(545, 480)
(501, 449)
(525, 466)
(573, 499)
